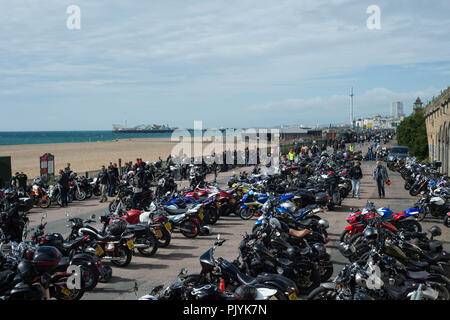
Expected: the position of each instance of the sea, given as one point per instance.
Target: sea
(8, 138)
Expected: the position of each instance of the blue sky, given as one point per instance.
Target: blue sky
(229, 63)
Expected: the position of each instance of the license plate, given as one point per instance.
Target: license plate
(201, 216)
(65, 291)
(168, 226)
(159, 233)
(293, 296)
(130, 244)
(99, 250)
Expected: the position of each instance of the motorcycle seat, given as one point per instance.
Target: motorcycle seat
(136, 227)
(285, 262)
(397, 292)
(244, 279)
(64, 262)
(68, 245)
(437, 257)
(418, 275)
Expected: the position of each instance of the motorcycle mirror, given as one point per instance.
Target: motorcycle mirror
(44, 216)
(218, 236)
(184, 271)
(93, 216)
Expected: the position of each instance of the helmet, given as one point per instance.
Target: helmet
(293, 252)
(245, 292)
(37, 180)
(130, 173)
(370, 233)
(117, 227)
(447, 220)
(324, 154)
(435, 231)
(288, 205)
(324, 223)
(139, 169)
(73, 174)
(27, 270)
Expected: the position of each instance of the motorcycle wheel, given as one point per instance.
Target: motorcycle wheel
(112, 206)
(126, 254)
(421, 215)
(322, 293)
(408, 185)
(345, 236)
(189, 225)
(45, 203)
(314, 279)
(152, 243)
(97, 192)
(326, 271)
(212, 216)
(91, 278)
(75, 294)
(80, 195)
(411, 226)
(164, 241)
(245, 214)
(89, 194)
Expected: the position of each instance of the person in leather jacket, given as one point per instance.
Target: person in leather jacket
(64, 184)
(102, 179)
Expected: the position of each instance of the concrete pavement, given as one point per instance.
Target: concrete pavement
(164, 266)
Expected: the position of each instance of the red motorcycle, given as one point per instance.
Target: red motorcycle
(358, 221)
(160, 225)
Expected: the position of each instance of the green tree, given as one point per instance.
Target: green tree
(412, 132)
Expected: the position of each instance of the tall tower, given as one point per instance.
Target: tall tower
(418, 106)
(351, 108)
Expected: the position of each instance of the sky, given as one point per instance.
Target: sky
(245, 63)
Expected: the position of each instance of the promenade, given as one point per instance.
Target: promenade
(163, 267)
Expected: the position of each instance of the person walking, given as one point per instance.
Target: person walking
(137, 184)
(64, 185)
(13, 182)
(102, 179)
(291, 154)
(356, 176)
(380, 175)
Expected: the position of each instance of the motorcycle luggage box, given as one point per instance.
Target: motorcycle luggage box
(46, 258)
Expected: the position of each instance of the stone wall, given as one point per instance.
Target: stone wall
(437, 118)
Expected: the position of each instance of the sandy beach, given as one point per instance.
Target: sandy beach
(88, 156)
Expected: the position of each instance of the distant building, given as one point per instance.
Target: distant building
(437, 119)
(376, 121)
(397, 110)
